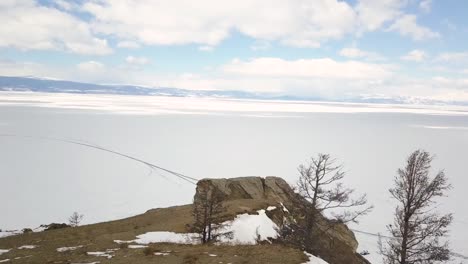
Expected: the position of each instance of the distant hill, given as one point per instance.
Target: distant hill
(34, 84)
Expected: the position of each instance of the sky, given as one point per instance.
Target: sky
(332, 49)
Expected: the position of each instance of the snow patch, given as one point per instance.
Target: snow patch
(4, 260)
(246, 227)
(314, 260)
(137, 246)
(2, 251)
(271, 208)
(100, 254)
(162, 253)
(7, 233)
(64, 249)
(162, 236)
(28, 247)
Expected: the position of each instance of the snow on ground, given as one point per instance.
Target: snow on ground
(64, 249)
(28, 247)
(161, 253)
(4, 260)
(137, 246)
(314, 260)
(6, 233)
(245, 228)
(2, 251)
(271, 208)
(100, 254)
(162, 236)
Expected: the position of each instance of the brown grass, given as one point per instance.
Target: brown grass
(100, 237)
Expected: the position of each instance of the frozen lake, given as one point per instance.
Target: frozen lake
(44, 181)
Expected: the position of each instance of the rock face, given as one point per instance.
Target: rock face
(269, 188)
(253, 193)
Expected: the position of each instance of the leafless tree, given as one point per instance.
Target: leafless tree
(208, 212)
(75, 219)
(417, 229)
(318, 190)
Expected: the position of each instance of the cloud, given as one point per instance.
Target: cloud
(415, 55)
(128, 45)
(425, 6)
(29, 26)
(407, 25)
(452, 57)
(355, 53)
(208, 22)
(90, 66)
(307, 68)
(373, 14)
(137, 60)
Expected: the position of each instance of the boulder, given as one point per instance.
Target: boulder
(269, 188)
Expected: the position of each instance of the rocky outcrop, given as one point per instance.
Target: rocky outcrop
(248, 194)
(269, 188)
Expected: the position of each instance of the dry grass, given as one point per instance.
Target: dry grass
(100, 237)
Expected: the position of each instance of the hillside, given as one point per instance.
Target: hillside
(105, 242)
(44, 85)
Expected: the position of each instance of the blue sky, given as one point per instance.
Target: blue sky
(327, 48)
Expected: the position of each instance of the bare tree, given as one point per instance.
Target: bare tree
(318, 190)
(417, 229)
(75, 219)
(208, 212)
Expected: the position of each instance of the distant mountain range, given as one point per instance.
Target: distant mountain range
(34, 84)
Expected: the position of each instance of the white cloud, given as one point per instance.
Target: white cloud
(208, 22)
(415, 55)
(407, 25)
(308, 68)
(64, 4)
(355, 53)
(425, 5)
(28, 26)
(452, 57)
(128, 44)
(373, 14)
(90, 66)
(137, 60)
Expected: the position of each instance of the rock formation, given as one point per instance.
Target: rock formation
(248, 194)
